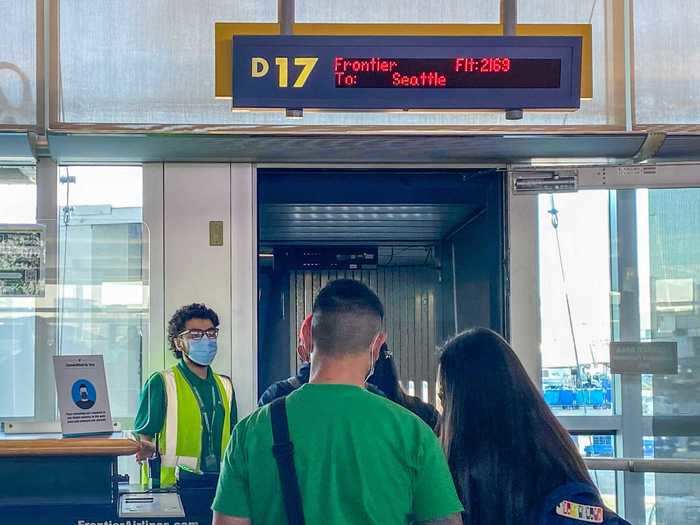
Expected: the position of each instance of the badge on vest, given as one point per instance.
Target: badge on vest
(577, 511)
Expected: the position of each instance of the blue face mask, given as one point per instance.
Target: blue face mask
(202, 352)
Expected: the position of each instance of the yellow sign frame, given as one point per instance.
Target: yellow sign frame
(225, 31)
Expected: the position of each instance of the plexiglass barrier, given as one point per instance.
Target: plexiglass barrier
(91, 298)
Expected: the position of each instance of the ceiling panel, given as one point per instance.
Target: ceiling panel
(419, 149)
(284, 223)
(15, 148)
(680, 147)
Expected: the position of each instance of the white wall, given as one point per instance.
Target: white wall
(179, 202)
(524, 282)
(244, 287)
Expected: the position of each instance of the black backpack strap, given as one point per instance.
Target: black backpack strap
(283, 450)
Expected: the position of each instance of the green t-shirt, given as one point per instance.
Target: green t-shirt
(360, 459)
(150, 415)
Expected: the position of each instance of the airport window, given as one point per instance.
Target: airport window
(18, 195)
(575, 291)
(598, 109)
(580, 295)
(656, 100)
(600, 446)
(176, 91)
(173, 85)
(18, 65)
(670, 311)
(398, 11)
(103, 261)
(625, 266)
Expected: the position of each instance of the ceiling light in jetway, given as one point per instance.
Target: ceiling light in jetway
(559, 181)
(571, 161)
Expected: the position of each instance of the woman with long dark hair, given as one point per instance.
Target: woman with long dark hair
(512, 462)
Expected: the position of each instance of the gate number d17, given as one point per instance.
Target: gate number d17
(260, 67)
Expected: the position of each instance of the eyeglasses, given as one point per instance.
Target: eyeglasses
(196, 335)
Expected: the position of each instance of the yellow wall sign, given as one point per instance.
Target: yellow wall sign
(225, 31)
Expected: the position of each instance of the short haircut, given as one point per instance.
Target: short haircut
(347, 316)
(177, 322)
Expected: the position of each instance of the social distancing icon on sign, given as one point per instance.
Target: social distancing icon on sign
(84, 394)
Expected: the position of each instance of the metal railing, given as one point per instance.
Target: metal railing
(658, 466)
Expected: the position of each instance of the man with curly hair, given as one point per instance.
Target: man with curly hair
(189, 409)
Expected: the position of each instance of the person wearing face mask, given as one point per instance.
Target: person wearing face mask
(324, 453)
(189, 408)
(287, 386)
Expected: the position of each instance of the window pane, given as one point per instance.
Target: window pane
(103, 301)
(600, 109)
(574, 265)
(672, 498)
(149, 62)
(671, 306)
(666, 77)
(18, 62)
(401, 11)
(17, 314)
(157, 73)
(600, 446)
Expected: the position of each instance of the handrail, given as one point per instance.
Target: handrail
(659, 466)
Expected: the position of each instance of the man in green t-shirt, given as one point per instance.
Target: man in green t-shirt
(359, 458)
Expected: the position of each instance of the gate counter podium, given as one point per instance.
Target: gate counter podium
(49, 479)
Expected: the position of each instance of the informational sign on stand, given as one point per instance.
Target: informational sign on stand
(22, 256)
(656, 357)
(82, 395)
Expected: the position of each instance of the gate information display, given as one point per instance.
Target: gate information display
(457, 73)
(404, 73)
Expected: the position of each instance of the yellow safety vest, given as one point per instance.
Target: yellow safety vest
(180, 439)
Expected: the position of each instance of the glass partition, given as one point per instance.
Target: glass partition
(18, 195)
(82, 288)
(102, 280)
